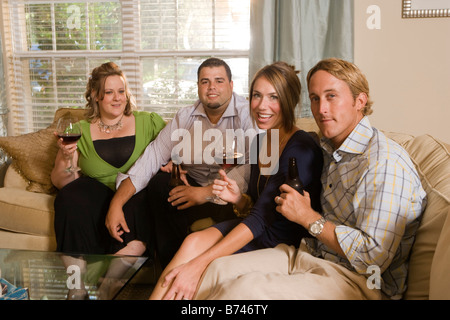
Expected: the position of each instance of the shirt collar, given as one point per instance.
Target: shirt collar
(355, 143)
(229, 112)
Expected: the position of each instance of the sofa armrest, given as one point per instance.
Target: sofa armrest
(3, 169)
(447, 146)
(439, 276)
(13, 179)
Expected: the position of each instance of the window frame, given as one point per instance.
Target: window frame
(22, 117)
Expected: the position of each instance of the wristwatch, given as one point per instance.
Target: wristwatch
(316, 227)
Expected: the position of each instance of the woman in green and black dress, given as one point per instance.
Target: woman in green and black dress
(113, 137)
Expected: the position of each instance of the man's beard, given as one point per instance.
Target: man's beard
(214, 106)
(217, 105)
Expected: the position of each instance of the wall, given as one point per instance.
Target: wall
(407, 63)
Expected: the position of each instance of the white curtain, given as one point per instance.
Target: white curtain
(300, 32)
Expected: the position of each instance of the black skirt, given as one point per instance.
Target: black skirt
(80, 212)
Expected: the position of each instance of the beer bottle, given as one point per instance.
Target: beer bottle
(293, 178)
(175, 179)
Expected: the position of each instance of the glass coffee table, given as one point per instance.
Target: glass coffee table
(58, 276)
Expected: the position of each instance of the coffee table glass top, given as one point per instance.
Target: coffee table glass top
(58, 276)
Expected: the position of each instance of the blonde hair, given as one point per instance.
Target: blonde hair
(350, 74)
(95, 89)
(284, 79)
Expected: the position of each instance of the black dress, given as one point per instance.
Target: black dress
(81, 207)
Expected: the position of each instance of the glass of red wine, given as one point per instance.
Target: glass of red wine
(69, 130)
(228, 158)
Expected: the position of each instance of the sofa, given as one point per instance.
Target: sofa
(27, 195)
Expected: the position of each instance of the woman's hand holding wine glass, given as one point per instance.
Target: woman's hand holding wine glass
(228, 158)
(68, 131)
(226, 188)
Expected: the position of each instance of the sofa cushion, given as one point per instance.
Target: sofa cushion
(34, 153)
(26, 212)
(447, 146)
(13, 179)
(440, 275)
(22, 241)
(432, 161)
(77, 113)
(307, 124)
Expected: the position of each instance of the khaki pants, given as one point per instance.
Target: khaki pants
(281, 273)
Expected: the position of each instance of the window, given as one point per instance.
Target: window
(3, 103)
(52, 45)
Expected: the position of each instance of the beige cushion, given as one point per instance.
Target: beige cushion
(34, 154)
(77, 113)
(26, 212)
(13, 179)
(440, 268)
(447, 146)
(432, 161)
(24, 241)
(202, 224)
(307, 124)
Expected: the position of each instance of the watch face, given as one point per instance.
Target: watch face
(315, 228)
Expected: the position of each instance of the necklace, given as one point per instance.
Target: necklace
(108, 128)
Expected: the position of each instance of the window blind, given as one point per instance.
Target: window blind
(3, 102)
(52, 46)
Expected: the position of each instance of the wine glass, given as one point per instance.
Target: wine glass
(69, 129)
(228, 158)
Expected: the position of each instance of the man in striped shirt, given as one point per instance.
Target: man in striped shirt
(372, 202)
